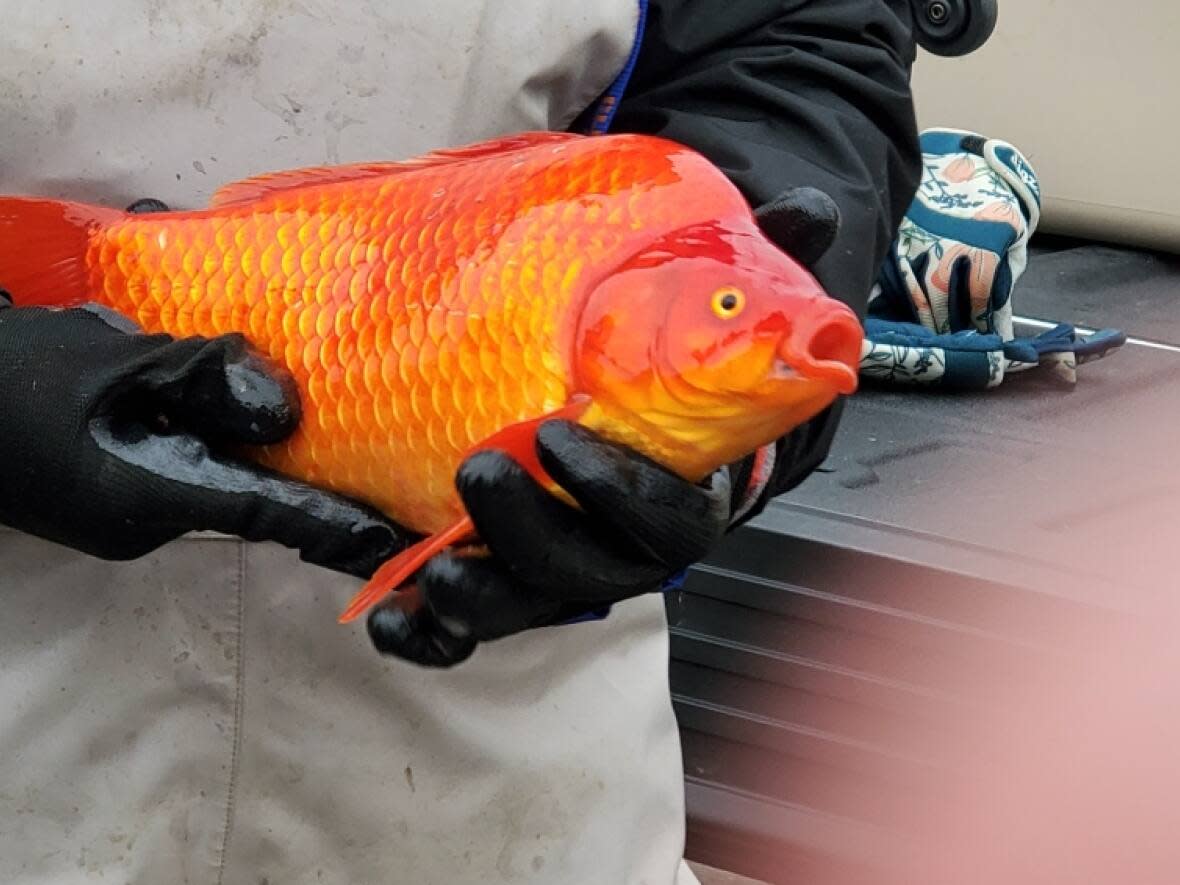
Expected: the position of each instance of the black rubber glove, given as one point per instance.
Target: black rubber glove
(638, 525)
(109, 444)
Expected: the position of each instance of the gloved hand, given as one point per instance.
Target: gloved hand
(941, 314)
(638, 529)
(551, 563)
(110, 444)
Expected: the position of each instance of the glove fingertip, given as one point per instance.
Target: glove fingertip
(229, 392)
(803, 222)
(265, 397)
(488, 473)
(358, 548)
(416, 637)
(147, 205)
(389, 628)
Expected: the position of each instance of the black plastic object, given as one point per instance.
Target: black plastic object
(953, 27)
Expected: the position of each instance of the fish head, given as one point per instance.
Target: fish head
(711, 342)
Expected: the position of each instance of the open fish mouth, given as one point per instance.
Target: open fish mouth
(824, 345)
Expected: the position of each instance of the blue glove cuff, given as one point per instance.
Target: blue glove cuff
(676, 582)
(599, 614)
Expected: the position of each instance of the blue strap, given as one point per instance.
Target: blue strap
(597, 119)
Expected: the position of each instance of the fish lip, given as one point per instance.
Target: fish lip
(838, 376)
(825, 347)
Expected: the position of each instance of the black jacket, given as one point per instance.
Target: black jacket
(781, 93)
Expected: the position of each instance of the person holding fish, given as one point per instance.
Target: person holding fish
(508, 311)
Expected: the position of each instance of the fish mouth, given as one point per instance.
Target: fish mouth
(823, 346)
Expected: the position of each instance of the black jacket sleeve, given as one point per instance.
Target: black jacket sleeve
(786, 93)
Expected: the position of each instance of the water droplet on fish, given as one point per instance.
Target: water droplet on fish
(438, 193)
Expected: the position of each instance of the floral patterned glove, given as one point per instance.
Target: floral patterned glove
(941, 313)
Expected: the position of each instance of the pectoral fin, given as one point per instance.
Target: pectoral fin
(401, 568)
(516, 440)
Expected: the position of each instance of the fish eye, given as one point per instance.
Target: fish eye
(728, 302)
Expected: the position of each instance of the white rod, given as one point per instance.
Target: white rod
(1154, 345)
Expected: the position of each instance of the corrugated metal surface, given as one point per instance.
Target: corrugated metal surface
(835, 666)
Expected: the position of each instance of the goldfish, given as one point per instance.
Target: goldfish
(430, 307)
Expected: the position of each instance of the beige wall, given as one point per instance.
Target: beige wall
(1090, 91)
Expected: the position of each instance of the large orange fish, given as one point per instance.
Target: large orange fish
(430, 307)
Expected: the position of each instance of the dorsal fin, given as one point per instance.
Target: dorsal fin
(271, 182)
(259, 186)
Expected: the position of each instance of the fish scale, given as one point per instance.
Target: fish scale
(430, 307)
(365, 322)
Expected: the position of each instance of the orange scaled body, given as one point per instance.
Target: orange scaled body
(419, 311)
(424, 305)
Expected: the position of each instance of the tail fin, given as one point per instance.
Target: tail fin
(43, 249)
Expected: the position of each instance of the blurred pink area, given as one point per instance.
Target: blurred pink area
(1076, 780)
(1065, 771)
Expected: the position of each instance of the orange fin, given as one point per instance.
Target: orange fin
(493, 147)
(516, 440)
(43, 247)
(520, 440)
(398, 570)
(259, 186)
